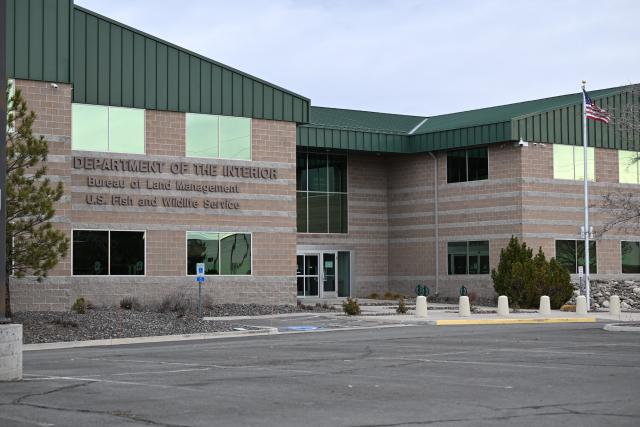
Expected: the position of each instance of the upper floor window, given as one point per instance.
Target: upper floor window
(321, 182)
(568, 162)
(467, 165)
(218, 136)
(628, 167)
(107, 129)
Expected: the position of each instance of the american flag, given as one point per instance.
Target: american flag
(592, 111)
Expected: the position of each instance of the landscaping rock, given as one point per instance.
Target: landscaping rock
(601, 291)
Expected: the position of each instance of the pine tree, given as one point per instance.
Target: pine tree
(33, 245)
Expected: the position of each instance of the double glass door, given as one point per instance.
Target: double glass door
(318, 274)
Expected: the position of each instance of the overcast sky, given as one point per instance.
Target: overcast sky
(411, 57)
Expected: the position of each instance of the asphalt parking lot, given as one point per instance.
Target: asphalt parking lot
(516, 375)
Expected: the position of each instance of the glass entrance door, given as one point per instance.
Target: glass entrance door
(329, 274)
(324, 274)
(308, 275)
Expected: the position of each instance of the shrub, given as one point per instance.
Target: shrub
(388, 295)
(80, 306)
(374, 295)
(177, 302)
(65, 323)
(524, 278)
(402, 306)
(130, 303)
(351, 307)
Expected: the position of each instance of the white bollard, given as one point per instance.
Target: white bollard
(10, 352)
(421, 306)
(581, 304)
(464, 309)
(545, 305)
(614, 305)
(503, 305)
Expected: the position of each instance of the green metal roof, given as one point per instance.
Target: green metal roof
(504, 113)
(553, 120)
(363, 120)
(110, 63)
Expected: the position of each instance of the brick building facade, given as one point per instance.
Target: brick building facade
(291, 201)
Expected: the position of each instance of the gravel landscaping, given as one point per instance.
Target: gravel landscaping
(109, 322)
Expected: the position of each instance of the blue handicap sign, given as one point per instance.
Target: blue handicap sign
(200, 279)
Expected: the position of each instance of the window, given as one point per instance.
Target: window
(107, 129)
(467, 165)
(218, 136)
(630, 257)
(568, 162)
(102, 252)
(628, 167)
(468, 257)
(570, 253)
(11, 92)
(221, 253)
(322, 193)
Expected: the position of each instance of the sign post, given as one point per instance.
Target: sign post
(200, 280)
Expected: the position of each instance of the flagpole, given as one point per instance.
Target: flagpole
(586, 197)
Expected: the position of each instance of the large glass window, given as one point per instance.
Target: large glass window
(107, 129)
(628, 167)
(218, 136)
(322, 201)
(467, 165)
(570, 253)
(568, 162)
(102, 252)
(221, 253)
(630, 257)
(468, 257)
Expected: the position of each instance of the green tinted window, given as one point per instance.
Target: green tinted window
(202, 135)
(90, 127)
(337, 213)
(235, 138)
(563, 162)
(318, 215)
(301, 211)
(126, 130)
(578, 153)
(628, 167)
(235, 253)
(317, 172)
(630, 257)
(203, 247)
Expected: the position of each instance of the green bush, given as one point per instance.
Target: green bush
(524, 278)
(80, 306)
(402, 306)
(351, 307)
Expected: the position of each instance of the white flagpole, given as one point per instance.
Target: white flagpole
(586, 197)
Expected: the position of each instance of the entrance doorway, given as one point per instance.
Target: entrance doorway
(325, 274)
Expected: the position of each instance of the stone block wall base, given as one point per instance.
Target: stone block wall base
(10, 352)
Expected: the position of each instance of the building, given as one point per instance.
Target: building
(171, 159)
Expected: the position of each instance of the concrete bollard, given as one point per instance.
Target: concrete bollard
(545, 305)
(581, 304)
(10, 352)
(421, 306)
(614, 305)
(503, 305)
(464, 308)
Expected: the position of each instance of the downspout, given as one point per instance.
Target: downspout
(435, 203)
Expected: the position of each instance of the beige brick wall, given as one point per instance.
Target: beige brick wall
(267, 211)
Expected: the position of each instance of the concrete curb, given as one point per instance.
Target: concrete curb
(461, 322)
(267, 316)
(620, 327)
(145, 340)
